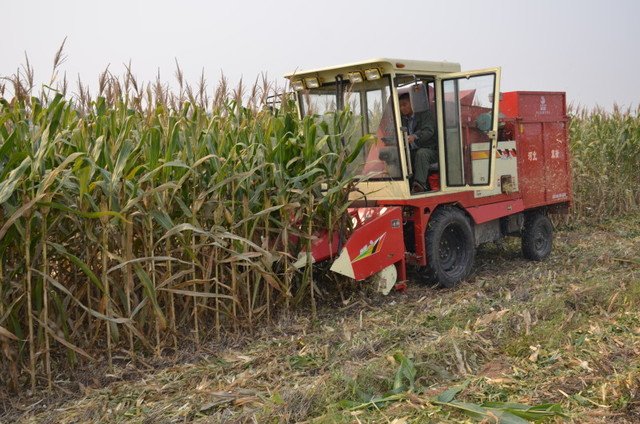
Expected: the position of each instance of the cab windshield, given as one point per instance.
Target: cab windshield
(371, 110)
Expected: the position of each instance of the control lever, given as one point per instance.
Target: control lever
(407, 150)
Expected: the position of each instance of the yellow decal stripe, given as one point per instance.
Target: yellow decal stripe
(480, 154)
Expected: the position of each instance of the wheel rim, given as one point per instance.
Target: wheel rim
(542, 239)
(453, 252)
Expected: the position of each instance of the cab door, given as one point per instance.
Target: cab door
(467, 105)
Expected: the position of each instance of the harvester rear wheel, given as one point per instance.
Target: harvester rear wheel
(537, 236)
(450, 246)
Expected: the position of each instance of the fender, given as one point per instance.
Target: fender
(376, 242)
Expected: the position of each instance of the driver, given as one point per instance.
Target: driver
(423, 142)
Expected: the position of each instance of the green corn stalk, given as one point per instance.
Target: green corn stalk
(116, 177)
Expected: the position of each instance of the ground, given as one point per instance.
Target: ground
(563, 334)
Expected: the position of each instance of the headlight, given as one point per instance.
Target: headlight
(297, 85)
(355, 77)
(312, 82)
(372, 74)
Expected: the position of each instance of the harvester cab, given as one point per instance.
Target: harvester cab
(462, 105)
(435, 181)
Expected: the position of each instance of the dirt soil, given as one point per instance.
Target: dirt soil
(564, 332)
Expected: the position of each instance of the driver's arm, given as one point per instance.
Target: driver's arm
(425, 130)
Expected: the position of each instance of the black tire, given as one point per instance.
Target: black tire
(450, 246)
(537, 236)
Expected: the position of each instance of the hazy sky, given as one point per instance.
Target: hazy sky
(588, 48)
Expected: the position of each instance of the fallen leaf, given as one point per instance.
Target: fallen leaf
(6, 333)
(527, 321)
(490, 317)
(536, 352)
(500, 380)
(585, 365)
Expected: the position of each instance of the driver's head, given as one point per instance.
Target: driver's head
(405, 104)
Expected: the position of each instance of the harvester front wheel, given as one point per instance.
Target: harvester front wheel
(537, 236)
(450, 246)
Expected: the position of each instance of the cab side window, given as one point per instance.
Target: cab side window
(468, 119)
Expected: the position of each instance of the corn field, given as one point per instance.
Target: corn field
(606, 161)
(141, 218)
